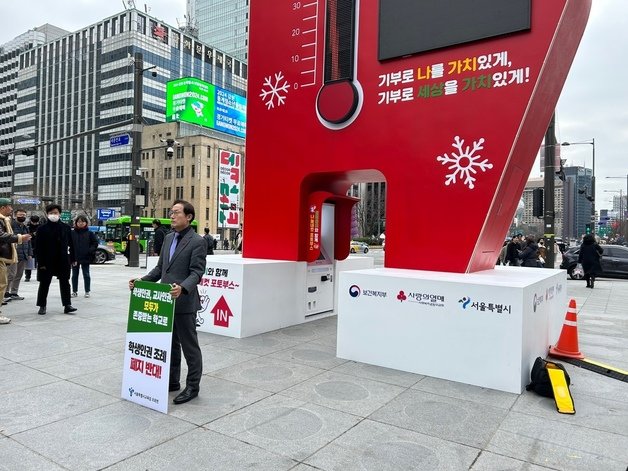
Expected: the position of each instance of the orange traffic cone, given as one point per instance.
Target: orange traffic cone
(567, 345)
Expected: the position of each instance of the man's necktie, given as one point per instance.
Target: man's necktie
(174, 244)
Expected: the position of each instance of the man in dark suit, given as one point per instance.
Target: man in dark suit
(182, 263)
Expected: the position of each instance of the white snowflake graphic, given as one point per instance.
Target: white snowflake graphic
(272, 89)
(464, 162)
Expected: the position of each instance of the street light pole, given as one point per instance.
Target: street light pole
(137, 181)
(132, 240)
(592, 197)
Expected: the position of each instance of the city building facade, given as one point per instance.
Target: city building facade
(9, 70)
(75, 93)
(577, 207)
(191, 173)
(225, 25)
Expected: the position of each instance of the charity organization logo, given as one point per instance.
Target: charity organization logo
(402, 296)
(354, 291)
(427, 299)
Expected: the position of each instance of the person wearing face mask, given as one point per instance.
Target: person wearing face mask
(8, 253)
(33, 225)
(55, 256)
(24, 255)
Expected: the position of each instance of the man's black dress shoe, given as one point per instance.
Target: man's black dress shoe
(69, 309)
(187, 395)
(42, 310)
(174, 387)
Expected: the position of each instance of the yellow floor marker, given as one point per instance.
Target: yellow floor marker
(562, 395)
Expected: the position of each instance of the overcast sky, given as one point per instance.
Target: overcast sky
(594, 102)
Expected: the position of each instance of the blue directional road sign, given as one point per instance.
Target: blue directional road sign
(28, 200)
(104, 214)
(119, 140)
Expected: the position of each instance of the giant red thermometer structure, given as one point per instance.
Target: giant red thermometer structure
(447, 106)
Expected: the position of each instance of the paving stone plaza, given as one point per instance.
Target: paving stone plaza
(284, 401)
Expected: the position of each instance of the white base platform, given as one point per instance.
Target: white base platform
(435, 324)
(242, 297)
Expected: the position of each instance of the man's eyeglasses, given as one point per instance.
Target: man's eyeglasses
(174, 213)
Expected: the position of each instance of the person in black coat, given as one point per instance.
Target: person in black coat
(589, 257)
(160, 234)
(55, 255)
(209, 240)
(512, 251)
(85, 245)
(530, 254)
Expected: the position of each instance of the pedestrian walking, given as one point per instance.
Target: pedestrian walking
(181, 264)
(55, 255)
(85, 245)
(8, 253)
(590, 257)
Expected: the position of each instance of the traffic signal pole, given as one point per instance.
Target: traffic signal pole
(549, 175)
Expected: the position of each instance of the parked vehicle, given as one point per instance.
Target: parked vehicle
(104, 253)
(359, 247)
(614, 262)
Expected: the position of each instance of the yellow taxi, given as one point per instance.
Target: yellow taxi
(359, 247)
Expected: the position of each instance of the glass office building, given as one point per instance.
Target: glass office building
(9, 71)
(578, 209)
(225, 25)
(73, 93)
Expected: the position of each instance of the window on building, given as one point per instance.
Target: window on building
(208, 171)
(193, 150)
(193, 171)
(207, 192)
(192, 192)
(207, 213)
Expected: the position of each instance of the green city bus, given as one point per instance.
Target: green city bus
(118, 228)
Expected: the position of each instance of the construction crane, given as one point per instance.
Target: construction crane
(190, 27)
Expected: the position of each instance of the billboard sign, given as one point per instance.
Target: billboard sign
(198, 102)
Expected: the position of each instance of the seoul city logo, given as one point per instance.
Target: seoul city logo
(354, 291)
(465, 302)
